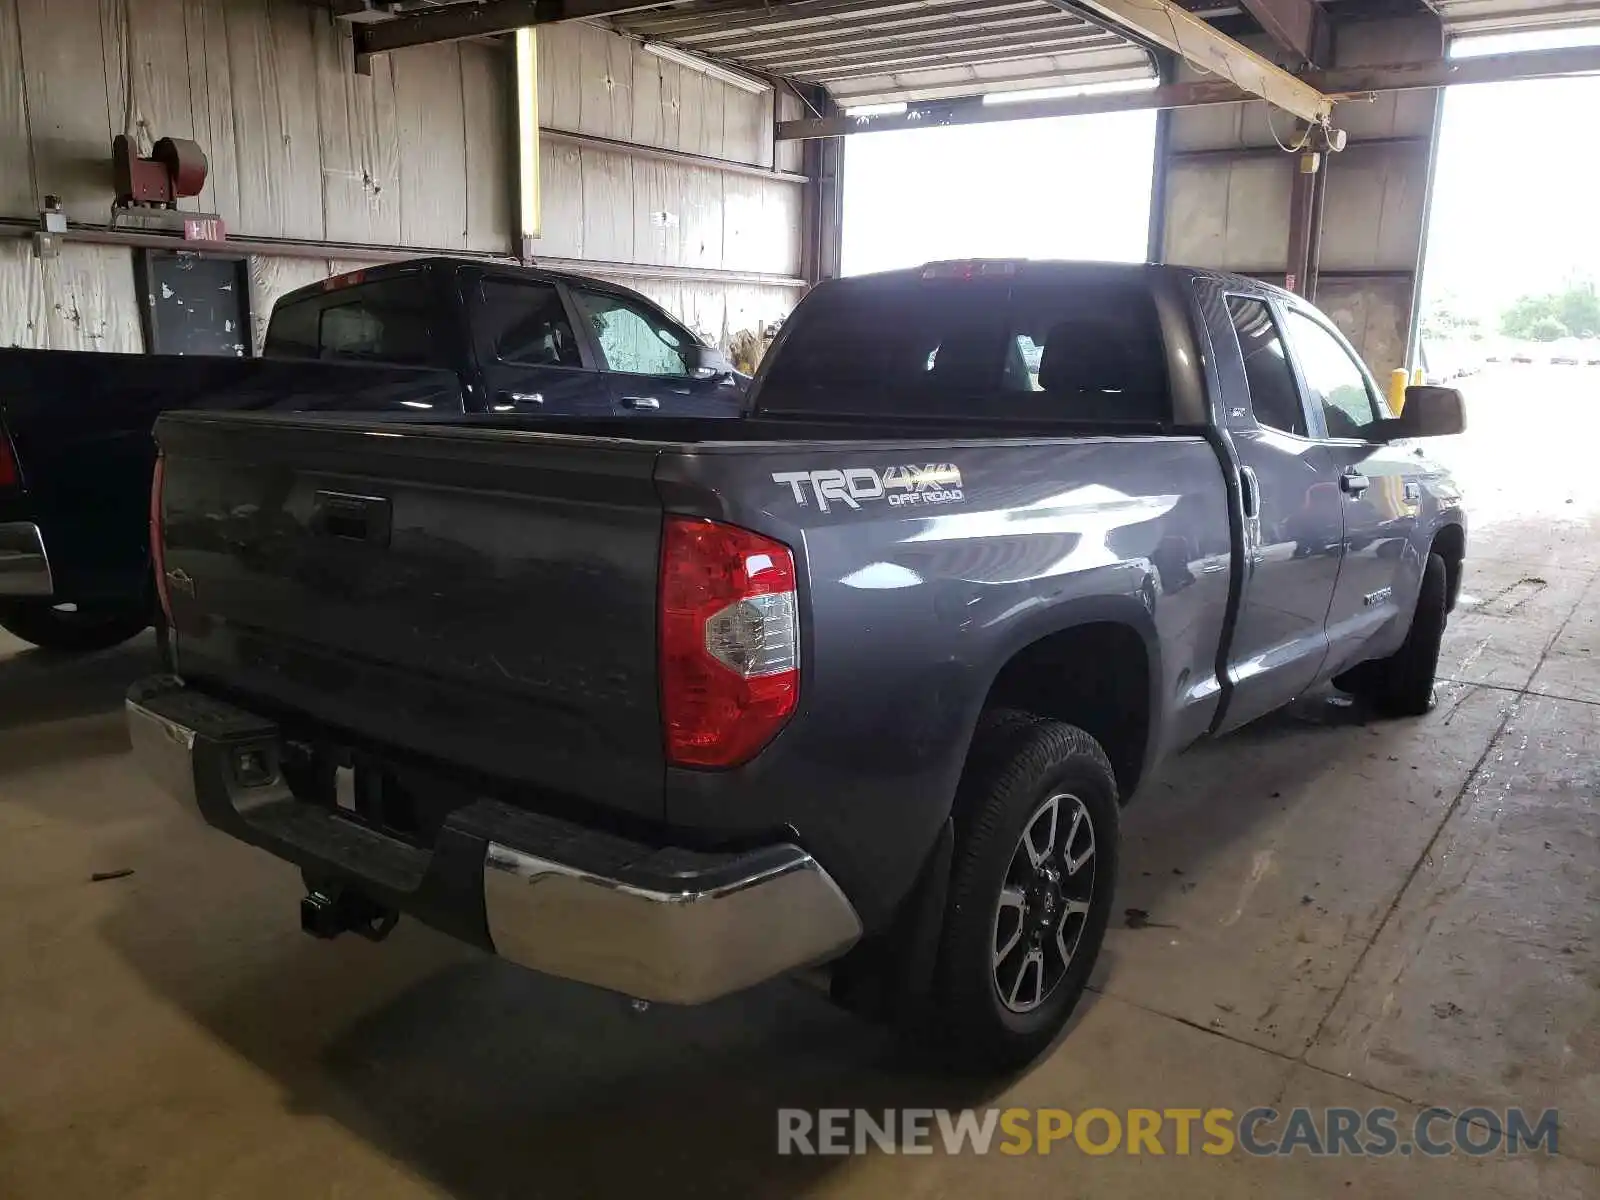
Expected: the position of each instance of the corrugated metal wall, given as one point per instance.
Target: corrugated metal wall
(418, 155)
(1227, 203)
(612, 206)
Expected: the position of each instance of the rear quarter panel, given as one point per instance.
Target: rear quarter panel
(914, 597)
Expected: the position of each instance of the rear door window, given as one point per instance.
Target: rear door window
(527, 325)
(1274, 398)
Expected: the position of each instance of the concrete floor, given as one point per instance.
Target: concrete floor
(1339, 912)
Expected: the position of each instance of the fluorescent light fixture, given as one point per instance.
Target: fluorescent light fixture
(745, 83)
(893, 108)
(529, 211)
(1107, 88)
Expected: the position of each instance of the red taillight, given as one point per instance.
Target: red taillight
(158, 554)
(10, 473)
(730, 641)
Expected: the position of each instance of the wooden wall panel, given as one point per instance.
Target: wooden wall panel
(274, 90)
(433, 161)
(608, 230)
(790, 155)
(649, 105)
(560, 73)
(21, 295)
(360, 141)
(703, 216)
(211, 99)
(298, 145)
(154, 66)
(746, 126)
(488, 80)
(89, 300)
(82, 299)
(63, 72)
(561, 172)
(17, 192)
(658, 212)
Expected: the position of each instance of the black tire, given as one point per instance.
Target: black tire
(1402, 684)
(1020, 766)
(68, 632)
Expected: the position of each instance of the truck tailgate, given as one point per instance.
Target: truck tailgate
(480, 597)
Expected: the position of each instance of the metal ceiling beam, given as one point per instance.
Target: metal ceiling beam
(458, 22)
(1180, 31)
(848, 37)
(1296, 25)
(839, 74)
(948, 50)
(714, 21)
(1349, 84)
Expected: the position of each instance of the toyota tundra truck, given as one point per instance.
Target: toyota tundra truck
(856, 682)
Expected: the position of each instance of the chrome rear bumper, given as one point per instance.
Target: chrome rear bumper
(681, 944)
(661, 923)
(24, 566)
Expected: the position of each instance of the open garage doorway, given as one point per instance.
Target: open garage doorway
(1510, 307)
(1060, 187)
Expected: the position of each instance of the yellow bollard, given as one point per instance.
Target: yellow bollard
(1417, 377)
(1398, 379)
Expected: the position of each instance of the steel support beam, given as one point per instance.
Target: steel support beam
(1297, 25)
(1164, 23)
(1349, 84)
(457, 22)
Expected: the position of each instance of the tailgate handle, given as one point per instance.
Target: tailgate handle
(352, 517)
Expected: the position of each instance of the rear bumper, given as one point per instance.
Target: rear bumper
(661, 923)
(24, 565)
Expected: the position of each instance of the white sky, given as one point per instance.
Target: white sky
(1517, 186)
(1516, 209)
(1064, 187)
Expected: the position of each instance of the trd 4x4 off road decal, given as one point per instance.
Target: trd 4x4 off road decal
(935, 483)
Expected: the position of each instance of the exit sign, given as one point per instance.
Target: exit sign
(204, 229)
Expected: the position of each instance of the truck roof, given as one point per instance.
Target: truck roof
(445, 262)
(1062, 269)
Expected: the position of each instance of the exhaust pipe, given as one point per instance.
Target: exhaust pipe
(327, 914)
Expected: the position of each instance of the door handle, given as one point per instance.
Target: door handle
(1250, 492)
(641, 402)
(524, 397)
(351, 517)
(1353, 483)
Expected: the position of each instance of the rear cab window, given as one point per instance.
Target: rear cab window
(386, 320)
(1033, 348)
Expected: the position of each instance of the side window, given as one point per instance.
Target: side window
(1333, 378)
(528, 324)
(1273, 395)
(632, 338)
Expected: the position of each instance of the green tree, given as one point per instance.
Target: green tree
(1578, 308)
(1575, 310)
(1547, 329)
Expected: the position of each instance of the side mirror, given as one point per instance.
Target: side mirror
(706, 362)
(1429, 412)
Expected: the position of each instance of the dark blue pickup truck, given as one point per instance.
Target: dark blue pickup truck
(433, 337)
(859, 680)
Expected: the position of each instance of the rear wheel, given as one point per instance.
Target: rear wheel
(76, 630)
(1031, 888)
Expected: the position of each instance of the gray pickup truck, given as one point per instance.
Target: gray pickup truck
(859, 680)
